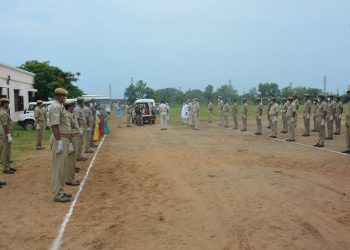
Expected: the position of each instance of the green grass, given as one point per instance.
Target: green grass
(24, 141)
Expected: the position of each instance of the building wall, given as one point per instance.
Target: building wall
(20, 79)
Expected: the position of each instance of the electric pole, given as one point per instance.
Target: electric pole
(110, 91)
(324, 84)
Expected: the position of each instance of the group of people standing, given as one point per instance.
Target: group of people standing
(190, 113)
(325, 114)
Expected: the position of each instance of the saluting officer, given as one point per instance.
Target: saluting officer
(59, 142)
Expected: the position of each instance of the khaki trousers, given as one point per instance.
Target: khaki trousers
(190, 118)
(210, 112)
(196, 120)
(128, 119)
(81, 144)
(330, 127)
(306, 119)
(163, 120)
(321, 130)
(225, 115)
(337, 124)
(285, 123)
(235, 121)
(258, 125)
(273, 125)
(291, 128)
(72, 159)
(347, 134)
(221, 117)
(1, 147)
(244, 120)
(60, 162)
(315, 123)
(39, 135)
(87, 139)
(6, 153)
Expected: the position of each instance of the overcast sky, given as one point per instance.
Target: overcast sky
(183, 43)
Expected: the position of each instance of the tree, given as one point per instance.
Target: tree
(269, 89)
(48, 77)
(300, 91)
(227, 91)
(191, 94)
(139, 90)
(209, 93)
(170, 95)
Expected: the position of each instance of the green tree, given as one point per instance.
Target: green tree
(139, 90)
(209, 93)
(48, 77)
(228, 92)
(190, 94)
(170, 95)
(269, 89)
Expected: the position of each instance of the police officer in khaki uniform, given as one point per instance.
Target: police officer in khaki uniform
(273, 113)
(59, 142)
(307, 113)
(314, 108)
(195, 114)
(73, 145)
(79, 114)
(259, 110)
(291, 118)
(89, 126)
(220, 105)
(347, 126)
(128, 109)
(296, 103)
(225, 110)
(40, 123)
(321, 115)
(2, 137)
(338, 115)
(210, 111)
(7, 126)
(234, 114)
(268, 116)
(190, 113)
(244, 114)
(331, 106)
(284, 108)
(163, 115)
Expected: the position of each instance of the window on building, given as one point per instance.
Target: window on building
(19, 104)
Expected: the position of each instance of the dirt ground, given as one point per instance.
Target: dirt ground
(185, 189)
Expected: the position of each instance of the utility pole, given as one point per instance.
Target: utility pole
(110, 91)
(324, 84)
(290, 88)
(229, 82)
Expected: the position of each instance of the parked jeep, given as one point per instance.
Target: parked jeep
(149, 110)
(27, 120)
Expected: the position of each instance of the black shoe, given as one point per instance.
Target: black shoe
(346, 151)
(8, 171)
(13, 169)
(290, 140)
(305, 135)
(272, 136)
(2, 183)
(77, 170)
(62, 199)
(318, 145)
(268, 127)
(329, 138)
(243, 130)
(314, 130)
(336, 133)
(67, 195)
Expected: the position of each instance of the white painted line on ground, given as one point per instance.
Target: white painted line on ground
(58, 240)
(295, 143)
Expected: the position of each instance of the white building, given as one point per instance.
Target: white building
(17, 85)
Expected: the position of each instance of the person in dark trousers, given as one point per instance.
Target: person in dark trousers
(138, 115)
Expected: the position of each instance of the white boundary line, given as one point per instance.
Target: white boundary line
(295, 143)
(58, 240)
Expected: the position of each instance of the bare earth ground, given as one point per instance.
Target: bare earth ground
(184, 189)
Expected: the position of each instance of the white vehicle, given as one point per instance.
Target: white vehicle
(27, 120)
(149, 110)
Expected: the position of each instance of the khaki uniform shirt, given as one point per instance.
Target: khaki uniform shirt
(259, 109)
(330, 107)
(234, 108)
(307, 107)
(39, 115)
(291, 109)
(88, 116)
(163, 108)
(284, 108)
(128, 109)
(58, 116)
(220, 104)
(314, 108)
(347, 114)
(79, 114)
(225, 108)
(5, 119)
(190, 107)
(245, 109)
(339, 108)
(73, 123)
(210, 106)
(196, 107)
(322, 107)
(274, 110)
(296, 102)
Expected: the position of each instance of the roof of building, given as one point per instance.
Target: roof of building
(17, 69)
